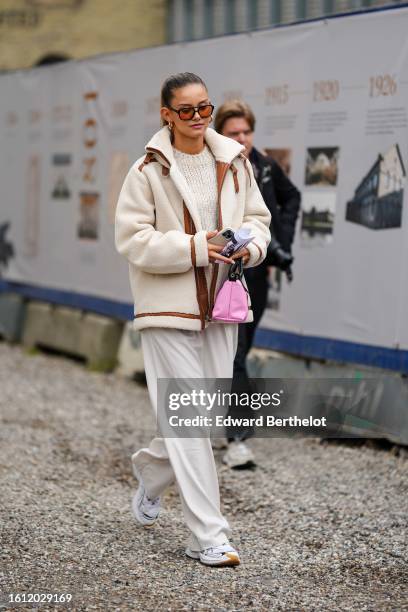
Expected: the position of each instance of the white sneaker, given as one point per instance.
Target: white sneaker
(220, 556)
(239, 456)
(145, 510)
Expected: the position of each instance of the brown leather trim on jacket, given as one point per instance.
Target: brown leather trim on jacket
(193, 251)
(246, 161)
(235, 177)
(189, 227)
(202, 293)
(159, 153)
(148, 158)
(199, 272)
(184, 315)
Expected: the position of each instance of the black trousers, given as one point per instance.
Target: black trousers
(257, 281)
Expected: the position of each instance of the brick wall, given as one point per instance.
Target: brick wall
(31, 29)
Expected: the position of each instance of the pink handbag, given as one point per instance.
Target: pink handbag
(231, 304)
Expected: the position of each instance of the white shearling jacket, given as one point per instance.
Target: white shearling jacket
(158, 230)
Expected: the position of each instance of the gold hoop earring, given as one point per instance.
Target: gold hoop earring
(170, 126)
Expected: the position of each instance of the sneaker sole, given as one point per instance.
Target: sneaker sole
(232, 560)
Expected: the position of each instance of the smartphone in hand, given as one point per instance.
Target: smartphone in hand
(223, 237)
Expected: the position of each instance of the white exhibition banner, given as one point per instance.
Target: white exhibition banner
(331, 100)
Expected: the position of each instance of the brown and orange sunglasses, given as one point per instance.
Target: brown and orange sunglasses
(188, 112)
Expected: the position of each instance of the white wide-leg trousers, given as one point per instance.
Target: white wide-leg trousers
(175, 353)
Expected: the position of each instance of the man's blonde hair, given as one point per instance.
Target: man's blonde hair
(232, 109)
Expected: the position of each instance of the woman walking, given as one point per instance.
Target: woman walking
(191, 183)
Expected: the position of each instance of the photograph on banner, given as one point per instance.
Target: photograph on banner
(317, 218)
(321, 168)
(89, 216)
(282, 156)
(61, 163)
(378, 199)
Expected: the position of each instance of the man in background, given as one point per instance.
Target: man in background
(236, 120)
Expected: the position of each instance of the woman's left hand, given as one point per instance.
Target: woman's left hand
(244, 253)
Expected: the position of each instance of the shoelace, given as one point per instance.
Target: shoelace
(212, 550)
(149, 507)
(151, 502)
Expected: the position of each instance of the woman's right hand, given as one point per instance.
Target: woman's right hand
(214, 250)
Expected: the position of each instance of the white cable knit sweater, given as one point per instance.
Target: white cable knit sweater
(201, 176)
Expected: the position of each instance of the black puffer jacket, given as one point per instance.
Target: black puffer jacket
(281, 197)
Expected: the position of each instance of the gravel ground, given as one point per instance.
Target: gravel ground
(318, 526)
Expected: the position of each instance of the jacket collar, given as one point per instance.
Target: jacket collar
(224, 149)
